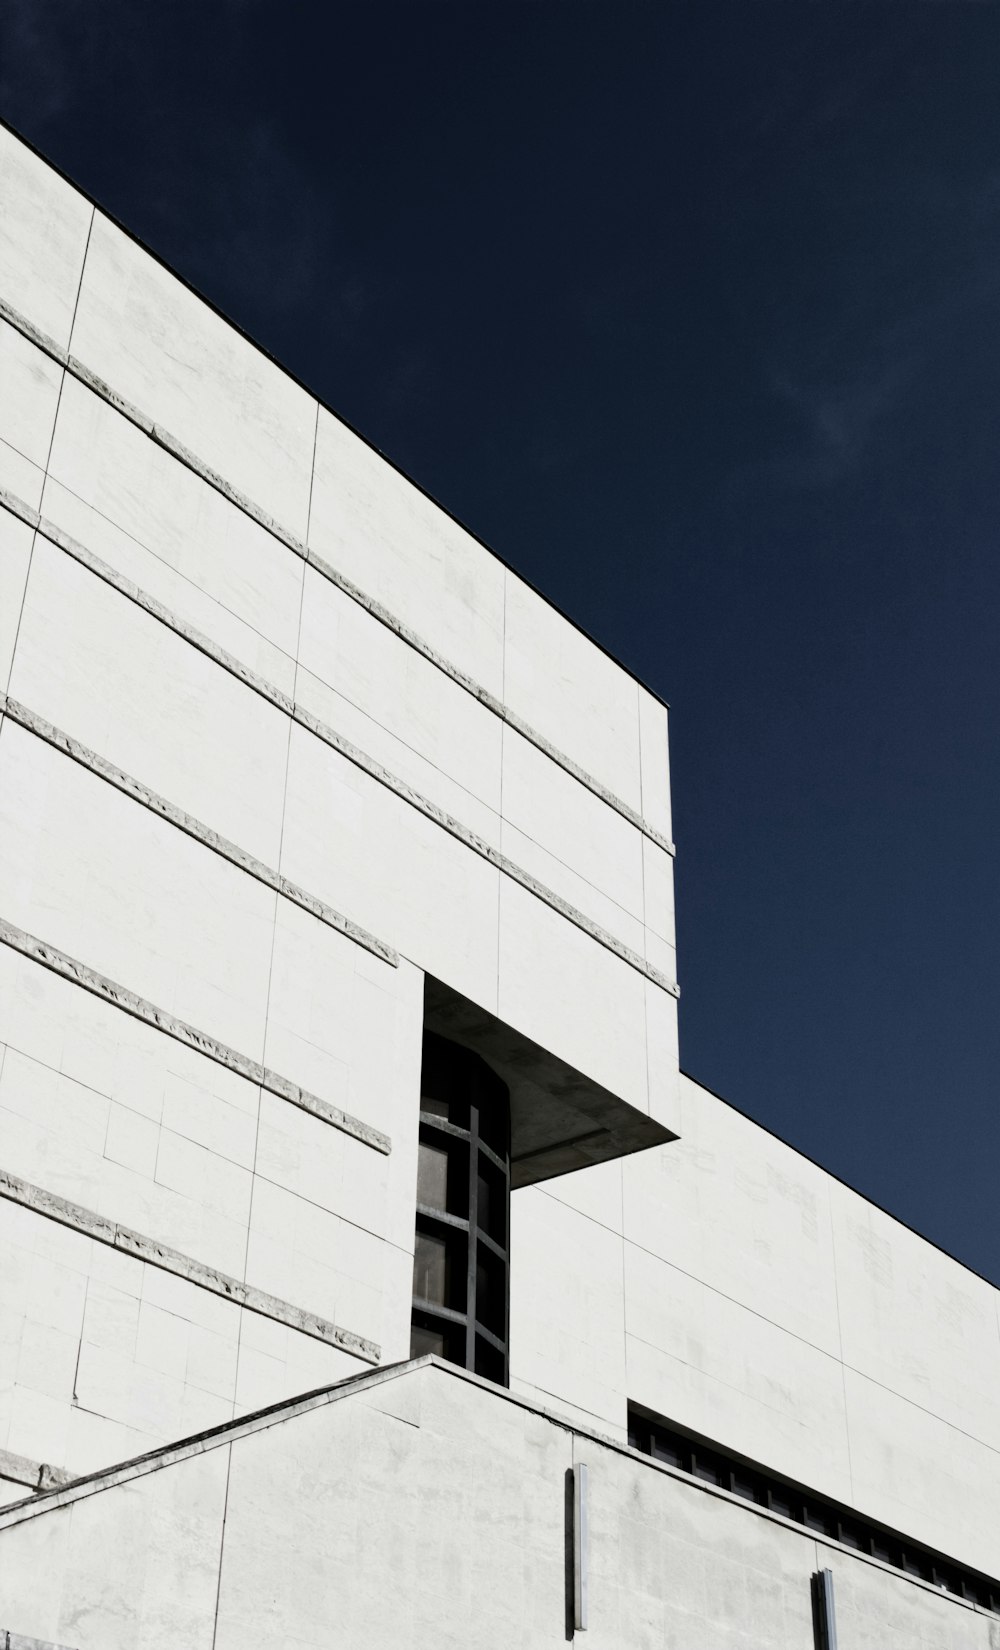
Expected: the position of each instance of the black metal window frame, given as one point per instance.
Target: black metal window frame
(469, 1341)
(663, 1441)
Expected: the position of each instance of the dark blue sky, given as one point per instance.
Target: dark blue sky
(692, 311)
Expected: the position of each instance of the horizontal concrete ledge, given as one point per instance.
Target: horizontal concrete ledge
(18, 1641)
(81, 974)
(92, 1225)
(336, 741)
(148, 798)
(382, 614)
(38, 1475)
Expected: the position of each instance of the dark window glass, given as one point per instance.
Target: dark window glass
(670, 1450)
(425, 1338)
(917, 1564)
(494, 1115)
(489, 1361)
(491, 1291)
(445, 1340)
(706, 1468)
(817, 1517)
(483, 1218)
(742, 1484)
(491, 1202)
(463, 1172)
(433, 1268)
(434, 1107)
(432, 1175)
(639, 1434)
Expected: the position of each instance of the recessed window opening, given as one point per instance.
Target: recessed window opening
(663, 1441)
(461, 1266)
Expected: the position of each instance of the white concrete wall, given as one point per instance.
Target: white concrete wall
(431, 1512)
(730, 1285)
(398, 726)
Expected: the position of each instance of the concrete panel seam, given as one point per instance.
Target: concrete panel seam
(160, 805)
(119, 996)
(378, 611)
(129, 1242)
(337, 742)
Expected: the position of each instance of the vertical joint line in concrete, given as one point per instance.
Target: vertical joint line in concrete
(503, 754)
(69, 349)
(222, 1544)
(840, 1342)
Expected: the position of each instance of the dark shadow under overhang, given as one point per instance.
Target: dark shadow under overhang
(560, 1119)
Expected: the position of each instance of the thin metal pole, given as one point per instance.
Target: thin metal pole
(581, 1546)
(827, 1614)
(473, 1252)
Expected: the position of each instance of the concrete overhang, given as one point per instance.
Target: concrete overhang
(560, 1119)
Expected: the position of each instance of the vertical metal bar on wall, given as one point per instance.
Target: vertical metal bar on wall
(470, 1281)
(581, 1546)
(826, 1620)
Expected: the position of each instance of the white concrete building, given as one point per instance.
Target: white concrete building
(368, 1272)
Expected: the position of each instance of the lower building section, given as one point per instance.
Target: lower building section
(419, 1505)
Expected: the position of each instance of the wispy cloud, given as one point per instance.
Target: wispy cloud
(838, 421)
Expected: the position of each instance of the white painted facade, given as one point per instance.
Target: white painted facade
(280, 742)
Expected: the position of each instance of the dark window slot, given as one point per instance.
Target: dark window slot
(664, 1442)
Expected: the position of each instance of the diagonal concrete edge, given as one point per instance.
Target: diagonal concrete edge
(166, 1455)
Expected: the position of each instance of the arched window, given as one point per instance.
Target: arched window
(460, 1262)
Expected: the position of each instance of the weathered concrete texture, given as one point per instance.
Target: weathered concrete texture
(428, 1509)
(38, 1475)
(71, 968)
(17, 1641)
(379, 611)
(116, 1236)
(346, 748)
